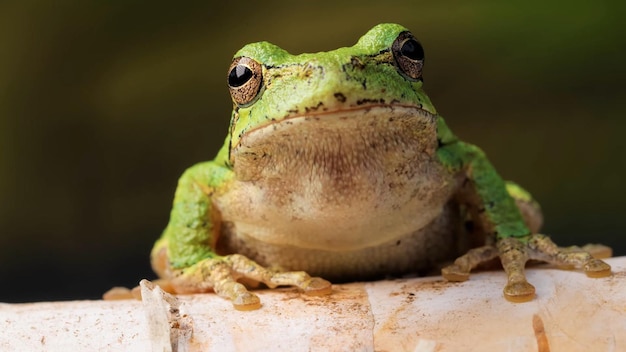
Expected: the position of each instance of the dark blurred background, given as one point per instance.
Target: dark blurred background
(103, 104)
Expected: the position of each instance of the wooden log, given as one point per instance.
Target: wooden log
(570, 313)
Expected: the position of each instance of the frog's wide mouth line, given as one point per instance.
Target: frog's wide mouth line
(361, 107)
(332, 117)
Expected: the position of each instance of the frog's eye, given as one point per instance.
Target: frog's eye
(409, 55)
(245, 78)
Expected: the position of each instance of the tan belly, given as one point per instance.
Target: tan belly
(310, 213)
(417, 251)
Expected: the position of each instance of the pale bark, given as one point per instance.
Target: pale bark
(570, 313)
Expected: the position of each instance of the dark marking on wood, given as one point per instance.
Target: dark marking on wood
(540, 334)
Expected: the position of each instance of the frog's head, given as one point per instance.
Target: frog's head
(380, 75)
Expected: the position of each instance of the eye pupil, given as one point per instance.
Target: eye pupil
(412, 49)
(239, 75)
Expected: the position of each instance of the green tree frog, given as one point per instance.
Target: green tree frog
(336, 166)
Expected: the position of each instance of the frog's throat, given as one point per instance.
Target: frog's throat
(347, 179)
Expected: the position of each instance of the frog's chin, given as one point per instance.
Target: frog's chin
(345, 179)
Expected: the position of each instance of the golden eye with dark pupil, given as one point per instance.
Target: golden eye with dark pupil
(245, 79)
(409, 56)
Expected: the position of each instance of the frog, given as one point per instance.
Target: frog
(336, 167)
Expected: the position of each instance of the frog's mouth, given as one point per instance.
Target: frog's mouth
(344, 139)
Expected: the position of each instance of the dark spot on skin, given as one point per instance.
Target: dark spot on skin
(490, 205)
(469, 226)
(293, 111)
(366, 101)
(357, 63)
(340, 97)
(364, 84)
(314, 108)
(230, 148)
(398, 242)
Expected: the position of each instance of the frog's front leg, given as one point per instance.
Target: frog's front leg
(185, 258)
(508, 236)
(221, 274)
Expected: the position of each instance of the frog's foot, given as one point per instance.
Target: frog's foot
(221, 274)
(514, 253)
(460, 270)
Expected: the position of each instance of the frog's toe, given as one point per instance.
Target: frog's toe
(597, 268)
(519, 292)
(247, 301)
(317, 286)
(455, 273)
(460, 270)
(240, 297)
(540, 247)
(598, 251)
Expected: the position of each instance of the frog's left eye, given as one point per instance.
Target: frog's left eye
(245, 78)
(409, 55)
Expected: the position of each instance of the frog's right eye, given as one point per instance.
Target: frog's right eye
(245, 78)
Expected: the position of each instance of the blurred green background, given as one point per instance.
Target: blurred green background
(103, 104)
